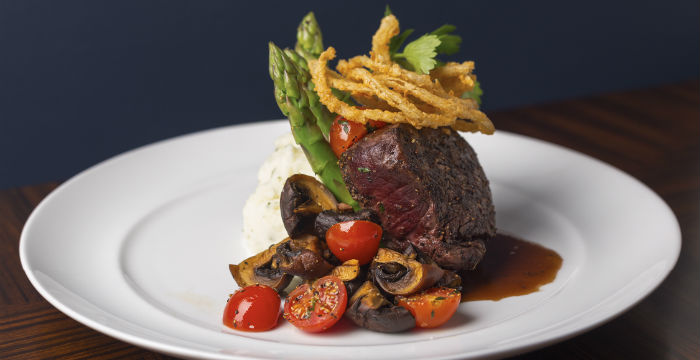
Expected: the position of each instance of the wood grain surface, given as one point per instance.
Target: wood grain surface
(652, 134)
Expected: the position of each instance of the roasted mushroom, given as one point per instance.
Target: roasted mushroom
(398, 274)
(302, 257)
(261, 269)
(328, 218)
(369, 309)
(302, 198)
(351, 274)
(347, 271)
(449, 279)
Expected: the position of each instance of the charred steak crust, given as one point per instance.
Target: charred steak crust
(429, 190)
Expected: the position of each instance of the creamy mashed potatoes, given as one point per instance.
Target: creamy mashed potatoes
(262, 222)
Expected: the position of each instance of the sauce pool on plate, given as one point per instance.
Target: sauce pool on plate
(511, 267)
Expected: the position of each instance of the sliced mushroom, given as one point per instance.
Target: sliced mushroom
(328, 218)
(350, 273)
(347, 271)
(369, 309)
(398, 274)
(302, 198)
(449, 279)
(261, 269)
(303, 257)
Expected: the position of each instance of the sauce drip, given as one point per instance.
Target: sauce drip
(511, 267)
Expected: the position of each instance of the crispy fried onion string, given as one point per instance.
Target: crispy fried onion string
(393, 94)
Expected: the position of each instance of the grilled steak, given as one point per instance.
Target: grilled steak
(428, 189)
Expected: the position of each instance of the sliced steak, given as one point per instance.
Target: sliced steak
(428, 189)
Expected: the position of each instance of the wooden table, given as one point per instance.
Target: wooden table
(653, 134)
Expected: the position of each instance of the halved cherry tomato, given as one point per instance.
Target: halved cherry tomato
(317, 307)
(432, 307)
(253, 308)
(356, 239)
(345, 133)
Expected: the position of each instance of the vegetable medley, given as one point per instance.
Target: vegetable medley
(333, 263)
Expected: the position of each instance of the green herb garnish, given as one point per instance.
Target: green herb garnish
(475, 93)
(387, 10)
(419, 55)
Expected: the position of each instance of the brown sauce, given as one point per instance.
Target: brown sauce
(511, 267)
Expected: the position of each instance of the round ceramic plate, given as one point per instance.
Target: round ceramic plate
(138, 248)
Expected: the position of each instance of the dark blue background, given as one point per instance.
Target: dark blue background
(83, 80)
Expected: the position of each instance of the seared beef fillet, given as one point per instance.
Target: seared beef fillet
(428, 189)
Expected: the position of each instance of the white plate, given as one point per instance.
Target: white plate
(138, 248)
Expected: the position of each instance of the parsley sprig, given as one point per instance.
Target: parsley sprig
(420, 54)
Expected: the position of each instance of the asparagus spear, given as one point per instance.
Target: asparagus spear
(309, 40)
(324, 118)
(310, 46)
(293, 97)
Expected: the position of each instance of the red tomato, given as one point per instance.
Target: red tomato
(375, 125)
(372, 124)
(253, 308)
(345, 133)
(317, 307)
(432, 307)
(357, 239)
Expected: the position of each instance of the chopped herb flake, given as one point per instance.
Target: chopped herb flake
(363, 169)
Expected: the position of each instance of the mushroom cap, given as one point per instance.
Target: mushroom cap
(261, 269)
(303, 257)
(399, 274)
(302, 199)
(369, 309)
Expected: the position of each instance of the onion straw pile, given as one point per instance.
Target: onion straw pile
(393, 94)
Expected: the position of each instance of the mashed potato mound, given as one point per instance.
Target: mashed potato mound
(262, 222)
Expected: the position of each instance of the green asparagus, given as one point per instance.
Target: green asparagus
(309, 46)
(293, 97)
(324, 118)
(309, 40)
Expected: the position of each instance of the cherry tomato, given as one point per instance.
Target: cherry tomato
(356, 239)
(345, 133)
(253, 308)
(372, 124)
(432, 307)
(375, 125)
(316, 307)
